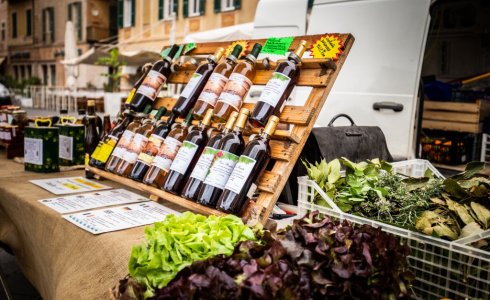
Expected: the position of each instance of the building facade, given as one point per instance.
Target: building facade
(36, 33)
(3, 36)
(147, 24)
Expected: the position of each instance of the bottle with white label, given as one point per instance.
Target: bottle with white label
(153, 82)
(125, 140)
(229, 150)
(138, 143)
(187, 156)
(160, 165)
(250, 166)
(237, 87)
(198, 174)
(196, 84)
(216, 82)
(278, 88)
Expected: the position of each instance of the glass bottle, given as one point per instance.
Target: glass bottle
(106, 146)
(146, 68)
(194, 87)
(250, 166)
(195, 181)
(229, 150)
(278, 88)
(91, 113)
(125, 140)
(153, 82)
(216, 82)
(107, 126)
(237, 87)
(138, 143)
(166, 154)
(187, 156)
(91, 140)
(155, 141)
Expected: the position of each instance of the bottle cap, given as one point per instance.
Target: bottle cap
(231, 120)
(188, 119)
(147, 109)
(242, 118)
(207, 117)
(255, 52)
(236, 52)
(90, 102)
(161, 111)
(173, 51)
(299, 51)
(270, 127)
(217, 55)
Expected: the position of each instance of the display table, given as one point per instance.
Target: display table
(61, 260)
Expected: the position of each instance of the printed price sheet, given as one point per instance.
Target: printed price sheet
(69, 185)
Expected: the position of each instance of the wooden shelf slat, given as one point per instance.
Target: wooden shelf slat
(451, 126)
(453, 116)
(452, 106)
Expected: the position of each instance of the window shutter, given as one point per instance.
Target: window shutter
(176, 8)
(51, 24)
(79, 16)
(217, 6)
(186, 8)
(44, 25)
(133, 12)
(160, 9)
(310, 3)
(202, 7)
(120, 13)
(70, 17)
(237, 4)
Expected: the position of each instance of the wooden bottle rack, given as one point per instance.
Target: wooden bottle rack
(286, 145)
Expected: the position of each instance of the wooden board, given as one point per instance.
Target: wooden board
(451, 126)
(455, 116)
(286, 144)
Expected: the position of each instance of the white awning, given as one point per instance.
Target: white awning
(231, 33)
(130, 58)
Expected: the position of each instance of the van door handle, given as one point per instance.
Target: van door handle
(396, 107)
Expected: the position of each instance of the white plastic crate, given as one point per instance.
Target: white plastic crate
(454, 270)
(485, 148)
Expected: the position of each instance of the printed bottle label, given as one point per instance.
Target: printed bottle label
(184, 157)
(123, 144)
(202, 166)
(191, 85)
(33, 151)
(235, 90)
(151, 149)
(106, 149)
(150, 87)
(274, 89)
(66, 147)
(167, 153)
(221, 169)
(240, 174)
(213, 89)
(137, 144)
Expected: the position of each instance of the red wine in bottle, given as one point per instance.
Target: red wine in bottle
(229, 150)
(196, 179)
(154, 80)
(194, 87)
(250, 166)
(278, 88)
(187, 156)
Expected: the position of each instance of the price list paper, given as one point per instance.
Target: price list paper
(69, 185)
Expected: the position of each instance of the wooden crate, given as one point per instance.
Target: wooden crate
(455, 116)
(286, 145)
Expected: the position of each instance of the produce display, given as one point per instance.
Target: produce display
(315, 258)
(451, 208)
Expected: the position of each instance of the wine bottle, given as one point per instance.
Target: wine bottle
(229, 149)
(216, 82)
(153, 82)
(107, 126)
(146, 68)
(105, 147)
(161, 163)
(278, 88)
(145, 158)
(198, 174)
(138, 143)
(250, 166)
(125, 140)
(90, 112)
(237, 87)
(91, 140)
(187, 156)
(194, 87)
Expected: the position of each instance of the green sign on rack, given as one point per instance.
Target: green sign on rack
(277, 46)
(167, 50)
(189, 47)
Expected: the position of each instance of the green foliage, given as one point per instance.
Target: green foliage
(112, 61)
(10, 82)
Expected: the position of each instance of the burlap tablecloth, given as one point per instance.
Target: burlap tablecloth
(61, 260)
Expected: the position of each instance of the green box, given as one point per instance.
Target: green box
(71, 144)
(41, 149)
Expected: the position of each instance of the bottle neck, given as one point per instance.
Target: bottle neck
(251, 59)
(265, 136)
(294, 57)
(90, 110)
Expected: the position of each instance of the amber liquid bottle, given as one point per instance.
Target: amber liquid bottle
(196, 179)
(138, 143)
(106, 146)
(125, 140)
(194, 87)
(229, 150)
(187, 156)
(155, 141)
(216, 82)
(237, 87)
(146, 69)
(250, 166)
(166, 154)
(107, 126)
(278, 88)
(153, 82)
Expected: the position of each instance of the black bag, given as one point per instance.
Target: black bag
(356, 143)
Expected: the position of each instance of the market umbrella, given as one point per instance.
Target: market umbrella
(71, 52)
